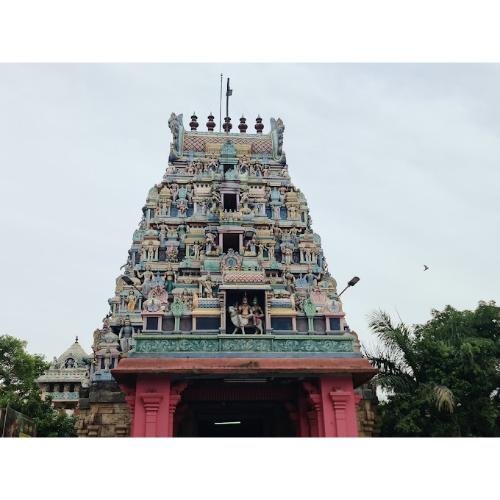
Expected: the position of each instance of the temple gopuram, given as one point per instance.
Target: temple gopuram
(226, 320)
(64, 379)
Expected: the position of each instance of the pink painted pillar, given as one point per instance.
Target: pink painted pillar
(313, 423)
(152, 397)
(339, 407)
(303, 423)
(130, 399)
(318, 410)
(175, 397)
(174, 400)
(129, 392)
(315, 409)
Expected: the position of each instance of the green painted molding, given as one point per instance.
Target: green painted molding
(247, 343)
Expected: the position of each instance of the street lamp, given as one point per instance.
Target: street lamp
(128, 281)
(351, 282)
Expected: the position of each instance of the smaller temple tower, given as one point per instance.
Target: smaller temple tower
(65, 378)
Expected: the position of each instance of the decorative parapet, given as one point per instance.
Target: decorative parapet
(64, 374)
(244, 277)
(210, 142)
(63, 396)
(208, 303)
(249, 343)
(281, 303)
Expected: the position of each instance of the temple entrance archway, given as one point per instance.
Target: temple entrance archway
(232, 409)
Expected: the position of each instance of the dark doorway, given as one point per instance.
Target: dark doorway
(230, 202)
(235, 408)
(236, 419)
(235, 297)
(230, 241)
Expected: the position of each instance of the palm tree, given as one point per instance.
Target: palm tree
(399, 364)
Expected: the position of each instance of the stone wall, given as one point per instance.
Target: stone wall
(102, 412)
(368, 423)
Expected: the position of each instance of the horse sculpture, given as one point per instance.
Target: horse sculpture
(240, 321)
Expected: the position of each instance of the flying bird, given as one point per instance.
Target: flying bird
(426, 267)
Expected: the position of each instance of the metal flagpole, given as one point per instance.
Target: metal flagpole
(220, 103)
(228, 93)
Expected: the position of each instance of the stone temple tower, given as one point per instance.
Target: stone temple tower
(226, 320)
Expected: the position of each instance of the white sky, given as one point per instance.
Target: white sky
(399, 164)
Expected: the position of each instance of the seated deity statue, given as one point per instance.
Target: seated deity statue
(244, 308)
(240, 315)
(244, 315)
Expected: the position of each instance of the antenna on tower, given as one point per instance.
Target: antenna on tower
(220, 104)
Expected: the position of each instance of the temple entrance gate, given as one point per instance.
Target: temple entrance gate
(234, 408)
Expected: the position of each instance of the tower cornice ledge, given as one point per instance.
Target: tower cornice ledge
(360, 368)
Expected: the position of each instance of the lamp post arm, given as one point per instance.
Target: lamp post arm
(129, 282)
(142, 295)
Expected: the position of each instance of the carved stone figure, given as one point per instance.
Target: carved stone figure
(125, 335)
(175, 124)
(250, 245)
(239, 320)
(107, 359)
(270, 250)
(280, 129)
(106, 327)
(131, 301)
(172, 253)
(311, 278)
(287, 254)
(163, 234)
(196, 250)
(96, 336)
(187, 299)
(257, 314)
(152, 304)
(207, 287)
(290, 281)
(174, 187)
(209, 243)
(191, 169)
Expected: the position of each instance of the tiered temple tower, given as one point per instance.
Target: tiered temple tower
(65, 378)
(226, 321)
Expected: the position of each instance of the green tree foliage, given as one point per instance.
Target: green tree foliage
(18, 388)
(441, 378)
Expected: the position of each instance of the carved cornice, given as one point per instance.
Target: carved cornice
(248, 343)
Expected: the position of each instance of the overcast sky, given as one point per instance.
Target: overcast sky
(399, 164)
